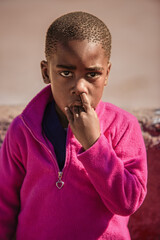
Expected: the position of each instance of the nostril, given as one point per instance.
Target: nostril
(79, 92)
(79, 89)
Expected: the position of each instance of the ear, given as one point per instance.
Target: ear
(44, 71)
(107, 74)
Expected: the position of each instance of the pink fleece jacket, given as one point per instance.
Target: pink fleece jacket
(95, 193)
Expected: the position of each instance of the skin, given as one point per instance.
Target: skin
(78, 72)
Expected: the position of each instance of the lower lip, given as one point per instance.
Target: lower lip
(80, 107)
(76, 104)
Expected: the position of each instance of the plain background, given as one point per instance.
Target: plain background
(134, 80)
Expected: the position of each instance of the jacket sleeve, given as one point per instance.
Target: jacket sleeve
(118, 168)
(11, 178)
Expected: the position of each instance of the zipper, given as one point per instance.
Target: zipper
(59, 183)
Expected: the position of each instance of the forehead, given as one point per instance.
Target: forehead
(77, 51)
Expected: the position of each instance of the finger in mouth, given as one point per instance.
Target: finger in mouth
(77, 109)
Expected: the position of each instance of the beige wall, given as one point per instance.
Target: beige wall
(135, 26)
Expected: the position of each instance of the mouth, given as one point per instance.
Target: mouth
(76, 106)
(76, 103)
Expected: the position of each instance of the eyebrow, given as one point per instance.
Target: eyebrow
(95, 68)
(71, 67)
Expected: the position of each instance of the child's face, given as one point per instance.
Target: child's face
(76, 67)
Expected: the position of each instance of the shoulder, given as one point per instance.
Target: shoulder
(16, 124)
(111, 113)
(116, 122)
(16, 132)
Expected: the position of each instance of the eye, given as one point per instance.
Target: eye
(66, 74)
(93, 74)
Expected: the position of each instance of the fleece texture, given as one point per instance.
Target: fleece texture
(102, 187)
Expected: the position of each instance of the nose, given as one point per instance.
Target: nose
(80, 86)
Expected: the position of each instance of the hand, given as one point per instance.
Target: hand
(84, 122)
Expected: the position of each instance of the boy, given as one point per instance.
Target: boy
(71, 166)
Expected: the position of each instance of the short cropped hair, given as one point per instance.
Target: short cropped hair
(77, 26)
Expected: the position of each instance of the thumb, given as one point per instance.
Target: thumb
(69, 114)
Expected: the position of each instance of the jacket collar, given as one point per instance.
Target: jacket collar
(34, 111)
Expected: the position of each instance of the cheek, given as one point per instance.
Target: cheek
(96, 93)
(98, 86)
(57, 87)
(60, 95)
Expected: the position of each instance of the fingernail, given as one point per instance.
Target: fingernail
(66, 108)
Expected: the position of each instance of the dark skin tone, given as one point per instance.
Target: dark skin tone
(78, 72)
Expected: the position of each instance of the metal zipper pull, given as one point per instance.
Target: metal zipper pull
(59, 183)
